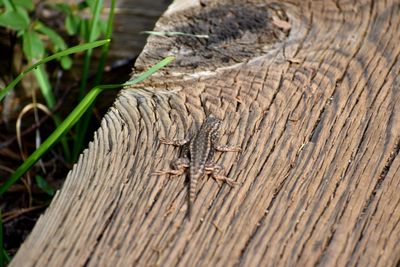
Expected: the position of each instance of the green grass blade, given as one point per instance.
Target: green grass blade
(4, 258)
(44, 85)
(72, 50)
(83, 125)
(93, 24)
(150, 71)
(142, 77)
(44, 185)
(72, 118)
(105, 48)
(9, 5)
(168, 34)
(48, 95)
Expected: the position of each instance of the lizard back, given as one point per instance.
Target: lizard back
(201, 151)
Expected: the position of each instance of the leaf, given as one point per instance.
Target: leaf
(96, 32)
(58, 42)
(45, 86)
(24, 14)
(4, 258)
(32, 46)
(64, 8)
(7, 4)
(14, 20)
(71, 50)
(66, 63)
(27, 4)
(72, 119)
(56, 39)
(72, 24)
(44, 185)
(102, 25)
(83, 29)
(82, 5)
(91, 4)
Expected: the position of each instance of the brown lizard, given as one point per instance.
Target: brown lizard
(198, 156)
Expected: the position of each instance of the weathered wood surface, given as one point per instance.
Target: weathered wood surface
(308, 89)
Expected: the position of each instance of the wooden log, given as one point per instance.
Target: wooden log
(308, 89)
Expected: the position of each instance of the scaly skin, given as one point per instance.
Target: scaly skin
(201, 150)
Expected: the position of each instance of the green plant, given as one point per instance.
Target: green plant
(33, 32)
(44, 185)
(72, 50)
(4, 258)
(72, 118)
(94, 26)
(37, 40)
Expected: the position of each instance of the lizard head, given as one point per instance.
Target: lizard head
(212, 123)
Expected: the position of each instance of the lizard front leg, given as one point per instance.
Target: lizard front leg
(216, 172)
(178, 167)
(175, 142)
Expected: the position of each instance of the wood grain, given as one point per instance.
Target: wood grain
(314, 108)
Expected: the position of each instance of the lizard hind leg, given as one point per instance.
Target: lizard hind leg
(226, 148)
(217, 173)
(181, 164)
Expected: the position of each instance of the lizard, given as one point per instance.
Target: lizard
(198, 156)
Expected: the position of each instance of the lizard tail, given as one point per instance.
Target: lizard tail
(192, 194)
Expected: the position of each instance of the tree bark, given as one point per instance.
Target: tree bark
(308, 89)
